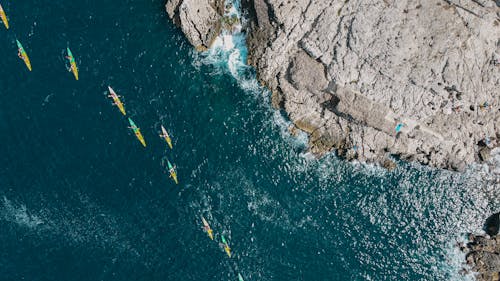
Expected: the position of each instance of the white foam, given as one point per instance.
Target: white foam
(18, 213)
(455, 259)
(229, 51)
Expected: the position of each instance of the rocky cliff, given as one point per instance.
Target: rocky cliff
(417, 79)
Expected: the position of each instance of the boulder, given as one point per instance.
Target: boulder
(483, 256)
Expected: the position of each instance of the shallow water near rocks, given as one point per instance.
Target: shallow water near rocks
(80, 199)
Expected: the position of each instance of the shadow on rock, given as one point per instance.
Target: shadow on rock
(492, 224)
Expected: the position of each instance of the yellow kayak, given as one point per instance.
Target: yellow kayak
(140, 138)
(173, 173)
(165, 136)
(207, 228)
(72, 62)
(228, 250)
(4, 17)
(116, 100)
(226, 246)
(137, 132)
(22, 55)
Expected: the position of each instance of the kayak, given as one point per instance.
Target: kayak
(72, 62)
(116, 100)
(240, 278)
(23, 55)
(173, 173)
(226, 246)
(207, 228)
(165, 136)
(137, 132)
(4, 17)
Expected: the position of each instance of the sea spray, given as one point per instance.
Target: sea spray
(229, 52)
(19, 214)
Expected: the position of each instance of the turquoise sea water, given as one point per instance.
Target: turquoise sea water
(81, 199)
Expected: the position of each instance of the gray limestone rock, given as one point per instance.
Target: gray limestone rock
(430, 66)
(306, 73)
(200, 20)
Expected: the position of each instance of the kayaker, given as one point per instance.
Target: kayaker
(68, 68)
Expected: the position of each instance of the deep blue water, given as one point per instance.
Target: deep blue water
(81, 199)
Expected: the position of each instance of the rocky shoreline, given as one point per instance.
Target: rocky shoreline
(482, 255)
(418, 80)
(372, 79)
(483, 251)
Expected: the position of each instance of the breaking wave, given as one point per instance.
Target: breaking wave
(229, 53)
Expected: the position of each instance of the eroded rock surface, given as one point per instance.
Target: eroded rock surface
(200, 20)
(349, 72)
(483, 256)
